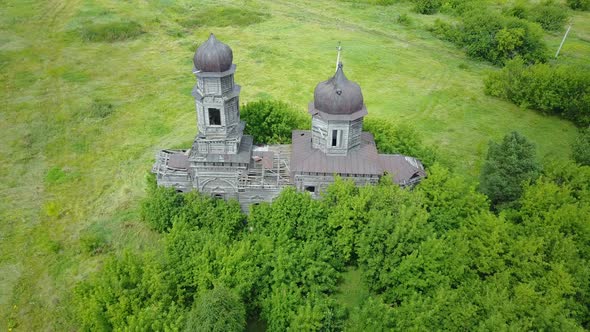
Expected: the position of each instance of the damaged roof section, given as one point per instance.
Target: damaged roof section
(404, 170)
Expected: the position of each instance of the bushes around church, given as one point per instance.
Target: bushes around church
(427, 255)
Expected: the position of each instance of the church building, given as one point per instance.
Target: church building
(225, 163)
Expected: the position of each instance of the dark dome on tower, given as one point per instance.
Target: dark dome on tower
(338, 95)
(213, 56)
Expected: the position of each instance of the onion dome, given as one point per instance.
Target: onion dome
(213, 56)
(338, 95)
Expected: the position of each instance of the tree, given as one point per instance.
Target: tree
(559, 89)
(581, 148)
(449, 199)
(508, 165)
(160, 206)
(217, 310)
(271, 121)
(402, 139)
(550, 15)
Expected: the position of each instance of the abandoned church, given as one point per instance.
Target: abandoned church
(226, 163)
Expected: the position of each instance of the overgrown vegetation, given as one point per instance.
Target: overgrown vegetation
(559, 90)
(549, 14)
(401, 139)
(271, 121)
(71, 182)
(581, 148)
(493, 37)
(508, 166)
(437, 246)
(579, 4)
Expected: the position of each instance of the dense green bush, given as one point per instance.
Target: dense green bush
(217, 310)
(497, 39)
(550, 15)
(433, 258)
(160, 206)
(427, 7)
(507, 168)
(560, 90)
(460, 7)
(271, 121)
(110, 32)
(581, 148)
(493, 37)
(579, 4)
(399, 139)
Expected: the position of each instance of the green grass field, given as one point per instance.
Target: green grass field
(91, 89)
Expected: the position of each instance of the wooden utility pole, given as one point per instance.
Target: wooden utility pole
(563, 40)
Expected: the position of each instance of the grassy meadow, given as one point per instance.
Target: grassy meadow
(91, 89)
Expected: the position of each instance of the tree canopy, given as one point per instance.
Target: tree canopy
(434, 257)
(507, 167)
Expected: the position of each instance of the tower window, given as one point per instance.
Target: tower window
(214, 117)
(335, 137)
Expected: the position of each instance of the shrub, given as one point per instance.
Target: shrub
(160, 206)
(427, 7)
(219, 310)
(549, 15)
(579, 4)
(401, 139)
(581, 148)
(110, 32)
(519, 10)
(494, 38)
(446, 31)
(271, 121)
(498, 39)
(560, 90)
(460, 7)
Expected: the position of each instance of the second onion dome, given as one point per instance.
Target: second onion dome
(338, 95)
(213, 56)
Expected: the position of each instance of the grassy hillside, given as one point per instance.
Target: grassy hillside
(91, 89)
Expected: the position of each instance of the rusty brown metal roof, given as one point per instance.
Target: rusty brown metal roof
(363, 160)
(403, 169)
